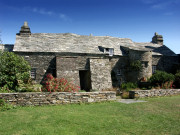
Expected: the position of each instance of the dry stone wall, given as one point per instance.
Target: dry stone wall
(46, 98)
(100, 74)
(153, 93)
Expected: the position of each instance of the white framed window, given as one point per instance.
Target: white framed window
(109, 51)
(33, 73)
(154, 69)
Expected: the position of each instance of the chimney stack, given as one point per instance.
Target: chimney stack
(25, 30)
(157, 39)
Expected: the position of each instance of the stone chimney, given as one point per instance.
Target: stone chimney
(157, 39)
(25, 30)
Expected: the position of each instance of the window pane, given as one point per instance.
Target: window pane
(33, 73)
(111, 52)
(153, 69)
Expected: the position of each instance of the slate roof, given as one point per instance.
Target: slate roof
(68, 42)
(6, 47)
(156, 49)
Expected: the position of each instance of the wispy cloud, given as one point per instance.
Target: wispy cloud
(160, 4)
(169, 13)
(167, 7)
(64, 17)
(43, 11)
(148, 1)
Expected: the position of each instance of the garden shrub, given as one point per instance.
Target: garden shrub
(135, 65)
(177, 79)
(162, 79)
(128, 86)
(5, 106)
(5, 89)
(51, 84)
(13, 69)
(28, 87)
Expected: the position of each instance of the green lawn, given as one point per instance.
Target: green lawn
(158, 116)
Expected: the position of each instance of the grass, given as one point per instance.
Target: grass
(158, 116)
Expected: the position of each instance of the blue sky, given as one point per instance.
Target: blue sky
(134, 19)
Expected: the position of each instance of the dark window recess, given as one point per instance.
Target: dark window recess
(33, 73)
(153, 69)
(119, 72)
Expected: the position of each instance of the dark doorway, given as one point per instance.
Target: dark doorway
(85, 80)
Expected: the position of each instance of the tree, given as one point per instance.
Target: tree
(0, 38)
(13, 69)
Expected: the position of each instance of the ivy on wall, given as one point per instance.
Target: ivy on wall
(135, 65)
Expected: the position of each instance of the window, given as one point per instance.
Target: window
(119, 72)
(109, 51)
(33, 73)
(153, 69)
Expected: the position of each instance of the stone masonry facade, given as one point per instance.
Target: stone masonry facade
(92, 62)
(55, 98)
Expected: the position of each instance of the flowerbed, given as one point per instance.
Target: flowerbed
(51, 84)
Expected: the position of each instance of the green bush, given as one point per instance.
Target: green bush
(162, 79)
(177, 79)
(136, 65)
(5, 106)
(128, 86)
(13, 69)
(5, 89)
(28, 87)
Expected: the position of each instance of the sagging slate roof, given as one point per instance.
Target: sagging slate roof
(68, 42)
(156, 49)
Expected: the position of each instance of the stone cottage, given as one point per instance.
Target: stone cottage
(92, 62)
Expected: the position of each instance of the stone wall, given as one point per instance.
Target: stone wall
(92, 72)
(75, 67)
(69, 67)
(46, 98)
(119, 70)
(96, 69)
(169, 63)
(145, 57)
(43, 63)
(100, 74)
(165, 63)
(153, 93)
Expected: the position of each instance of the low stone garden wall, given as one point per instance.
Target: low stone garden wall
(153, 93)
(46, 98)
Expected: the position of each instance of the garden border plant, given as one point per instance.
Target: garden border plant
(51, 84)
(5, 105)
(13, 69)
(162, 79)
